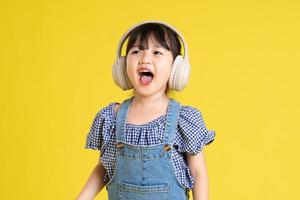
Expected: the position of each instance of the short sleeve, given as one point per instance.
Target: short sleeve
(193, 133)
(101, 129)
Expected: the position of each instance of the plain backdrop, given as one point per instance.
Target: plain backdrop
(56, 58)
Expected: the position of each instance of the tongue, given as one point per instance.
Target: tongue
(146, 80)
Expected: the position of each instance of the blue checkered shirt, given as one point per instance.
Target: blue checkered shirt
(191, 136)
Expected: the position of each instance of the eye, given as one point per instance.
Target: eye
(135, 52)
(158, 53)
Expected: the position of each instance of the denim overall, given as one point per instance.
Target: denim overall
(145, 172)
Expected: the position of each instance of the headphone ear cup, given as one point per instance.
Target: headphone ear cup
(179, 74)
(174, 69)
(120, 75)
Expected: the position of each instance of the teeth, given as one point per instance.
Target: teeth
(144, 70)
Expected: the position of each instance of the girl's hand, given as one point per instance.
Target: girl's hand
(94, 184)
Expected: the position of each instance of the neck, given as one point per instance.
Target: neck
(149, 101)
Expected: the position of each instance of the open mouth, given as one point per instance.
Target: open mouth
(146, 77)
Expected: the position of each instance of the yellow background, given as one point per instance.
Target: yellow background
(56, 59)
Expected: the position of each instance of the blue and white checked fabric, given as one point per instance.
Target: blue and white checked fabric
(191, 136)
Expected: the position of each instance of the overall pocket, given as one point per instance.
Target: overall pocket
(137, 192)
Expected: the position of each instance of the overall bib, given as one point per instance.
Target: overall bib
(145, 172)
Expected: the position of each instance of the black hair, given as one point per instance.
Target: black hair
(161, 33)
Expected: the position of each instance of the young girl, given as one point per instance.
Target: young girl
(151, 146)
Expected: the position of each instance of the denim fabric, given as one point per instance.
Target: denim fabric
(145, 172)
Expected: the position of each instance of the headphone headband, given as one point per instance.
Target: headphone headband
(126, 34)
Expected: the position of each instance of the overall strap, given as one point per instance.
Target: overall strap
(121, 120)
(170, 126)
(171, 122)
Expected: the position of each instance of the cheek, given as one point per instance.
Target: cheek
(128, 64)
(164, 74)
(128, 59)
(130, 70)
(169, 65)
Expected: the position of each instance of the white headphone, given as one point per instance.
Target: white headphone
(180, 69)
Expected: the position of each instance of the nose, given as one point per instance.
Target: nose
(145, 58)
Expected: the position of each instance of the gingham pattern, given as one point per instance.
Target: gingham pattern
(191, 136)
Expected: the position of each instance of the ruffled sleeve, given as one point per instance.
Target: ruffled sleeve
(193, 134)
(101, 129)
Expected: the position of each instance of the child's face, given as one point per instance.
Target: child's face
(155, 59)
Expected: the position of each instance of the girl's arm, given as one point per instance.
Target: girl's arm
(94, 184)
(198, 170)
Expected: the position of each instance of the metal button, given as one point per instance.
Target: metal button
(120, 145)
(167, 147)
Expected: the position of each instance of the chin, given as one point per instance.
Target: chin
(148, 91)
(144, 92)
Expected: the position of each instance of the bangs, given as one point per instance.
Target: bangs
(164, 36)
